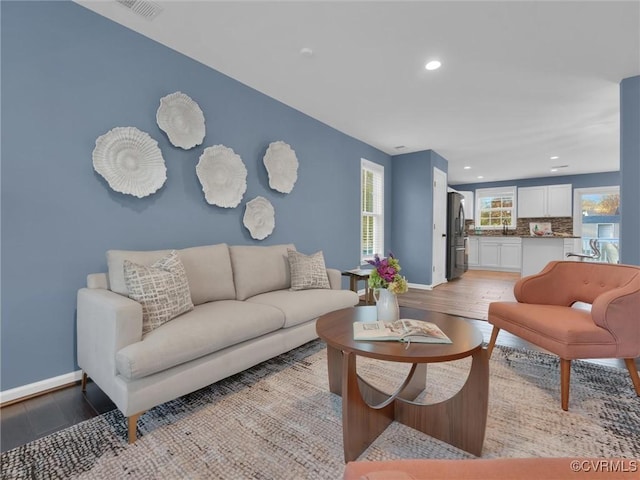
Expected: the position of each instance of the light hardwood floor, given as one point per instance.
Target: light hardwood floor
(468, 296)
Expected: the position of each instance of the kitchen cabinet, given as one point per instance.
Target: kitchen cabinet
(467, 203)
(497, 253)
(538, 251)
(545, 201)
(472, 245)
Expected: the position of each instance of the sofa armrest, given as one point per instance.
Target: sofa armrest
(549, 287)
(106, 323)
(617, 311)
(335, 278)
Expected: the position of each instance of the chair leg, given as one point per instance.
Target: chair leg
(492, 341)
(132, 423)
(633, 371)
(83, 383)
(565, 375)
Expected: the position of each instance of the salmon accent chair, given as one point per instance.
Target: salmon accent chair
(543, 315)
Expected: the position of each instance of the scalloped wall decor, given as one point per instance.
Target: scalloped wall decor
(282, 166)
(181, 119)
(259, 218)
(130, 161)
(223, 176)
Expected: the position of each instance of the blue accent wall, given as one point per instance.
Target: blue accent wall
(69, 76)
(412, 211)
(630, 171)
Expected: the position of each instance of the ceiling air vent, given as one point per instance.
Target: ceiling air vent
(144, 8)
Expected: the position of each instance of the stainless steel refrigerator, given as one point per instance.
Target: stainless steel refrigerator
(457, 256)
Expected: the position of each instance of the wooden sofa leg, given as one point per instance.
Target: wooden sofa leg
(492, 341)
(83, 382)
(565, 375)
(633, 371)
(132, 422)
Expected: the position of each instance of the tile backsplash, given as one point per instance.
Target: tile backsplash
(558, 225)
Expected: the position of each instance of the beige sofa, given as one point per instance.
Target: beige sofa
(245, 313)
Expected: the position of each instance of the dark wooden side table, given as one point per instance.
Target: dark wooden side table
(355, 276)
(367, 411)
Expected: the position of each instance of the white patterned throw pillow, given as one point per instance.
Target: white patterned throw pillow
(307, 271)
(162, 289)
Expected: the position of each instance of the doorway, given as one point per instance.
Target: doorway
(439, 256)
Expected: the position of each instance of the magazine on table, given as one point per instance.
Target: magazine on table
(403, 330)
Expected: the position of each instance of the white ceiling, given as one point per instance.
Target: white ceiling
(520, 81)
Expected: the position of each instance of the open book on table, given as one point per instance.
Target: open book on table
(403, 330)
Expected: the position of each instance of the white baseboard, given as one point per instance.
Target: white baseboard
(31, 389)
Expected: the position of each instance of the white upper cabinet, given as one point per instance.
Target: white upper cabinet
(467, 204)
(544, 201)
(559, 200)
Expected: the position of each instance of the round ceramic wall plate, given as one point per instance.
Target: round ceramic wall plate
(222, 175)
(130, 161)
(282, 166)
(181, 119)
(259, 218)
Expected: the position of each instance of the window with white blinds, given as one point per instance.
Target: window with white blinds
(496, 207)
(372, 208)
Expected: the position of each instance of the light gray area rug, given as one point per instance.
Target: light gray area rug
(279, 421)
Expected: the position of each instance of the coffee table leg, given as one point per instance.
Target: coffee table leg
(417, 383)
(361, 424)
(460, 420)
(334, 368)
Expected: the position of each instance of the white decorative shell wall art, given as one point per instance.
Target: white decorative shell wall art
(223, 176)
(259, 218)
(282, 166)
(130, 161)
(181, 119)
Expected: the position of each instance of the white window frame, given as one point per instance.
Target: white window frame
(377, 212)
(496, 192)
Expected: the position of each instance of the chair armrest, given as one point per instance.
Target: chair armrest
(106, 323)
(617, 311)
(549, 287)
(335, 278)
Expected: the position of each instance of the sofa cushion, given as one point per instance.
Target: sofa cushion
(259, 269)
(303, 305)
(307, 271)
(209, 273)
(162, 289)
(208, 270)
(208, 328)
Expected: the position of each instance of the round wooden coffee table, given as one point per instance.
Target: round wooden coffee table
(366, 411)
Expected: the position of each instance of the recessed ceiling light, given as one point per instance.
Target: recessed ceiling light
(555, 157)
(306, 52)
(480, 176)
(554, 169)
(433, 65)
(467, 167)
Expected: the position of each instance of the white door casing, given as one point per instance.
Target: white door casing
(439, 257)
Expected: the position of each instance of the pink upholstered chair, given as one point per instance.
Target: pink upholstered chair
(543, 315)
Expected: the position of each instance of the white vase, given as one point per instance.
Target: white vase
(386, 305)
